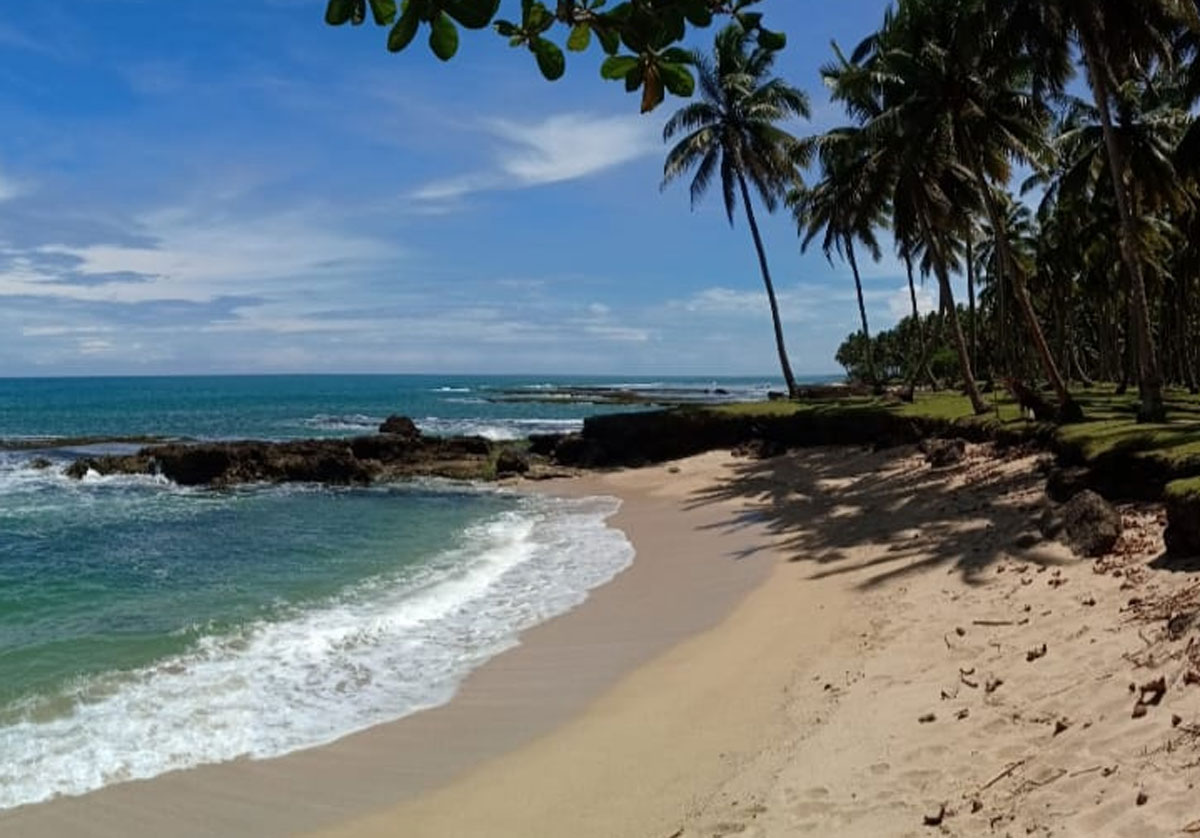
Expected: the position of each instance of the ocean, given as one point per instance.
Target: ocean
(146, 627)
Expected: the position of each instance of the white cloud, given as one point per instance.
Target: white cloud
(899, 302)
(197, 256)
(560, 148)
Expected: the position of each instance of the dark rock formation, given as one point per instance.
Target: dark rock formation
(943, 453)
(400, 426)
(1182, 535)
(40, 463)
(1091, 525)
(511, 461)
(544, 445)
(330, 461)
(1065, 483)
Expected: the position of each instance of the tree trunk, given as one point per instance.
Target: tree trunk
(862, 313)
(1152, 408)
(1068, 409)
(974, 324)
(960, 342)
(789, 379)
(923, 343)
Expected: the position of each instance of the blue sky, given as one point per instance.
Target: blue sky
(232, 186)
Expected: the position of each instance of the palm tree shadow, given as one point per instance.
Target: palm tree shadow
(884, 515)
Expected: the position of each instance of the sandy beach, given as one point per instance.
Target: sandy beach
(834, 642)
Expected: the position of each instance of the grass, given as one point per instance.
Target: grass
(1185, 489)
(1109, 436)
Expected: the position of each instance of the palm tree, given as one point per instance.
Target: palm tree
(733, 129)
(1118, 39)
(953, 73)
(849, 203)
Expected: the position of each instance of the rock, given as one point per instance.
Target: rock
(1091, 525)
(1065, 483)
(330, 461)
(511, 461)
(78, 469)
(776, 396)
(1182, 535)
(943, 453)
(1050, 524)
(543, 445)
(400, 426)
(1026, 540)
(40, 463)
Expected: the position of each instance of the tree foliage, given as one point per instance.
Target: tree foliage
(640, 39)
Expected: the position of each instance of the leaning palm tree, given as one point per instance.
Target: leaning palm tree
(848, 204)
(734, 130)
(1117, 40)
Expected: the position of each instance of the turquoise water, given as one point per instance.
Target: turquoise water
(145, 627)
(280, 407)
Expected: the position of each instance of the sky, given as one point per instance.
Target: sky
(231, 186)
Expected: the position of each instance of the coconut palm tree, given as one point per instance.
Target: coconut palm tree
(1118, 40)
(848, 204)
(952, 71)
(734, 130)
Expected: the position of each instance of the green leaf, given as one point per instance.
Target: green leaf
(617, 67)
(537, 18)
(609, 40)
(678, 79)
(404, 30)
(550, 59)
(771, 40)
(384, 11)
(339, 12)
(581, 37)
(473, 14)
(443, 37)
(749, 20)
(507, 28)
(634, 79)
(675, 55)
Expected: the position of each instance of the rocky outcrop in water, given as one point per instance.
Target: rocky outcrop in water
(357, 461)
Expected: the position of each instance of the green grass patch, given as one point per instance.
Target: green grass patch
(1186, 489)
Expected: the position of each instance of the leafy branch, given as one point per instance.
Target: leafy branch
(640, 38)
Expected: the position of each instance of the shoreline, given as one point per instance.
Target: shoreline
(558, 668)
(872, 647)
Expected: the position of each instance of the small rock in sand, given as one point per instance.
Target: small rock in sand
(927, 718)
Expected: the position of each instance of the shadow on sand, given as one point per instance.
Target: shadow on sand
(888, 514)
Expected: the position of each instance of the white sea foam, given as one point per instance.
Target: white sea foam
(497, 429)
(339, 422)
(382, 650)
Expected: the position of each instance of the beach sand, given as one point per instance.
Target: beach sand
(835, 642)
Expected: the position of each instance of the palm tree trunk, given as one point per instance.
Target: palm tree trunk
(789, 379)
(1152, 408)
(1068, 409)
(960, 342)
(971, 295)
(922, 365)
(862, 313)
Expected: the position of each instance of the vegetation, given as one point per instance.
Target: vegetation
(639, 38)
(1088, 271)
(947, 95)
(733, 133)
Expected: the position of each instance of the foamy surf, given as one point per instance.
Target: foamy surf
(380, 650)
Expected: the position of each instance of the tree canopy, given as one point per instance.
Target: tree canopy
(641, 39)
